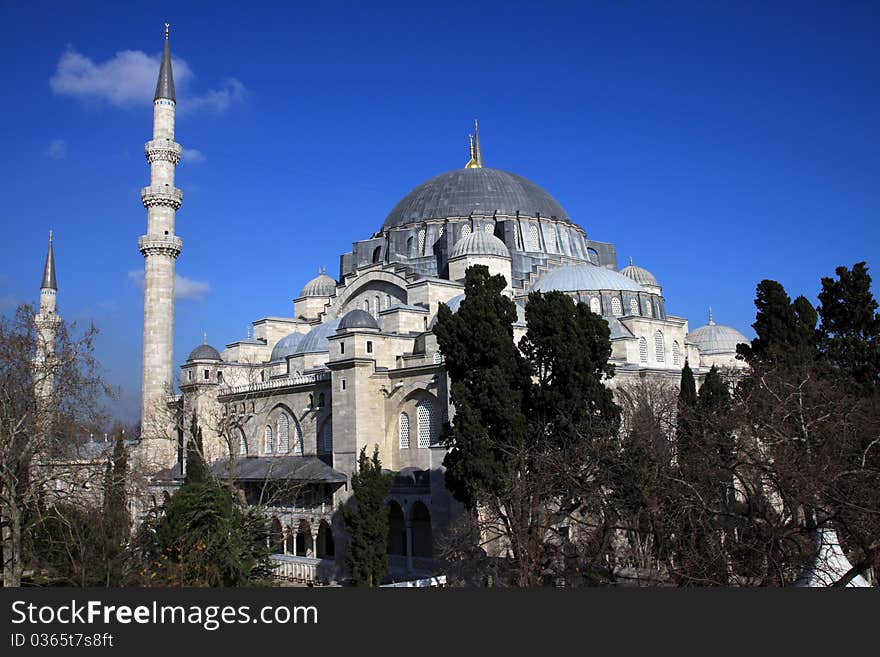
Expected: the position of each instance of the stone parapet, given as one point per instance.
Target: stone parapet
(170, 245)
(158, 150)
(170, 197)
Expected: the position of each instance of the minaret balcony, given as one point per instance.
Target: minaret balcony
(169, 245)
(170, 197)
(163, 150)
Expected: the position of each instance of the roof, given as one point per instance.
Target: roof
(273, 468)
(320, 286)
(573, 278)
(716, 339)
(315, 340)
(203, 352)
(639, 274)
(49, 281)
(358, 319)
(286, 346)
(165, 84)
(463, 192)
(479, 243)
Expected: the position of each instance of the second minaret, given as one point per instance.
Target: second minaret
(160, 248)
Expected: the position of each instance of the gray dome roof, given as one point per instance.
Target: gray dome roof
(357, 319)
(286, 346)
(463, 192)
(315, 340)
(479, 243)
(573, 278)
(203, 352)
(716, 338)
(639, 274)
(320, 286)
(455, 303)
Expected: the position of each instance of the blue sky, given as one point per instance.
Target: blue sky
(717, 143)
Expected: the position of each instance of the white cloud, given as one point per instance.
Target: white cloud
(184, 288)
(192, 156)
(129, 78)
(57, 149)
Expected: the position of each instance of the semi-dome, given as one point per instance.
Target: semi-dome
(286, 346)
(715, 338)
(315, 340)
(358, 319)
(203, 352)
(479, 243)
(639, 274)
(320, 286)
(463, 192)
(574, 278)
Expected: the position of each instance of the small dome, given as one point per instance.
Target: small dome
(286, 346)
(479, 243)
(203, 352)
(716, 339)
(639, 274)
(315, 340)
(320, 286)
(358, 319)
(574, 278)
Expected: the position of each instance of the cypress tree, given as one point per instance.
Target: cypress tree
(196, 468)
(365, 518)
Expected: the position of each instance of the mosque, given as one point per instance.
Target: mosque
(286, 410)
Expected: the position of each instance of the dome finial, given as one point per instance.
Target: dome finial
(478, 152)
(205, 337)
(711, 319)
(630, 261)
(167, 25)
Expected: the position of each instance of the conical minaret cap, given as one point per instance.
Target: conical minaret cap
(165, 85)
(49, 281)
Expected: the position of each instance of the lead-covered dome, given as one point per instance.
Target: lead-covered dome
(464, 192)
(286, 346)
(639, 274)
(358, 319)
(316, 339)
(479, 243)
(575, 278)
(320, 286)
(203, 352)
(715, 338)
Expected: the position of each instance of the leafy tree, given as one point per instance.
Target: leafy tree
(849, 332)
(207, 537)
(365, 518)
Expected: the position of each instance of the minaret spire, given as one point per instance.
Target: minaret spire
(49, 282)
(165, 85)
(478, 152)
(160, 247)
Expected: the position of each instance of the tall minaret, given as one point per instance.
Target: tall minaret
(160, 247)
(46, 323)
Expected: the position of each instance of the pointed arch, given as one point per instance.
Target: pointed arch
(659, 348)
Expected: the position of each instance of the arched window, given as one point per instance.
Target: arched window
(658, 347)
(593, 256)
(242, 443)
(490, 228)
(268, 441)
(643, 350)
(465, 231)
(421, 235)
(616, 309)
(649, 309)
(425, 409)
(535, 239)
(297, 440)
(594, 306)
(409, 247)
(387, 301)
(283, 434)
(378, 302)
(325, 445)
(633, 306)
(367, 305)
(404, 431)
(438, 358)
(676, 353)
(377, 252)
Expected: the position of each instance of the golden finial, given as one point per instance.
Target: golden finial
(167, 25)
(472, 162)
(478, 152)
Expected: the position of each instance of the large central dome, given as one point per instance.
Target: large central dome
(463, 192)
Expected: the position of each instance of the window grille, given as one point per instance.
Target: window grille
(633, 307)
(283, 434)
(404, 431)
(658, 347)
(269, 441)
(594, 306)
(643, 350)
(425, 412)
(676, 353)
(616, 309)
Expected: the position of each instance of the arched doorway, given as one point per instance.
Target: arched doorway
(396, 530)
(325, 547)
(304, 546)
(421, 530)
